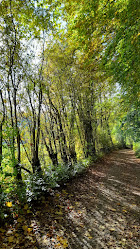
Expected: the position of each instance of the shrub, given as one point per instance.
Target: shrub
(136, 148)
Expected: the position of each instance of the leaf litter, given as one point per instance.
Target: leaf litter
(90, 211)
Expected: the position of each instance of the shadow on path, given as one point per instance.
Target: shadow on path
(97, 210)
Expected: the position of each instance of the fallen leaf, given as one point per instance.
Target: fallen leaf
(87, 234)
(9, 204)
(64, 192)
(29, 229)
(58, 245)
(124, 211)
(59, 218)
(25, 228)
(121, 220)
(2, 230)
(28, 211)
(11, 239)
(77, 203)
(17, 235)
(102, 227)
(64, 242)
(123, 240)
(26, 207)
(113, 209)
(19, 220)
(59, 213)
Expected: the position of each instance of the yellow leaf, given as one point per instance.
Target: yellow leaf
(58, 238)
(33, 241)
(2, 230)
(59, 213)
(90, 237)
(64, 192)
(11, 239)
(28, 211)
(102, 227)
(87, 234)
(19, 220)
(124, 211)
(25, 228)
(64, 242)
(77, 203)
(26, 207)
(9, 204)
(29, 229)
(57, 245)
(112, 209)
(17, 235)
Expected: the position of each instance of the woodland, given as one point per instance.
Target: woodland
(69, 92)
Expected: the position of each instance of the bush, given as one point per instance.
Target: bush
(13, 195)
(37, 185)
(136, 148)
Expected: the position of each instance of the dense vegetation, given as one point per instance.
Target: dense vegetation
(69, 90)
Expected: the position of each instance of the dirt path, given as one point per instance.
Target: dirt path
(100, 209)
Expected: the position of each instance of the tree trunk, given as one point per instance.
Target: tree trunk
(0, 146)
(90, 141)
(61, 136)
(52, 154)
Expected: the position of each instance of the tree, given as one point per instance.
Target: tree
(2, 112)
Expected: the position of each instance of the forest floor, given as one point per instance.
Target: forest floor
(99, 209)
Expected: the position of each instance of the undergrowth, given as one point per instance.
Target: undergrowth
(33, 187)
(137, 149)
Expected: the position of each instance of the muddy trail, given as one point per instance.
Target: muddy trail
(100, 209)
